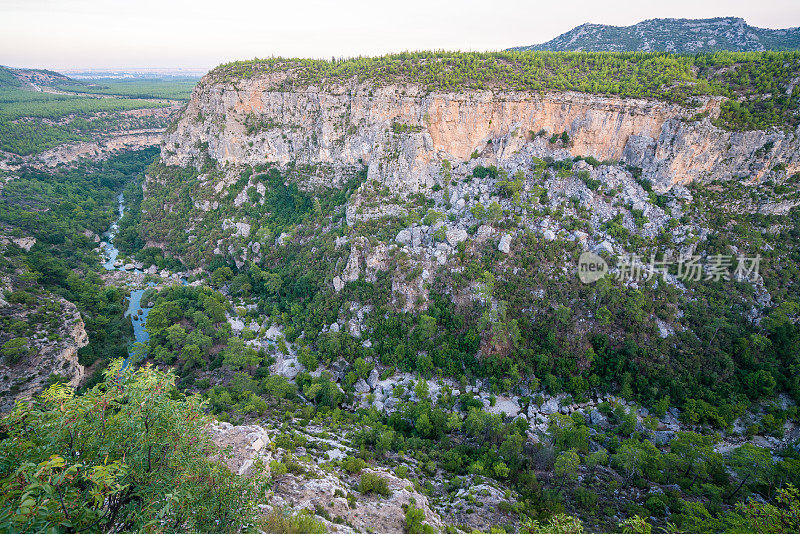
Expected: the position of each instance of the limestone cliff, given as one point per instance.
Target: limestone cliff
(403, 132)
(50, 354)
(607, 173)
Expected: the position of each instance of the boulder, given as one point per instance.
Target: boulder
(288, 368)
(338, 284)
(416, 236)
(361, 386)
(596, 417)
(605, 246)
(404, 237)
(505, 244)
(485, 231)
(456, 236)
(549, 407)
(504, 406)
(662, 437)
(372, 380)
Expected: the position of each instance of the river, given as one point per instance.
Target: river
(135, 311)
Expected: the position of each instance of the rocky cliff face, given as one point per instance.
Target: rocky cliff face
(52, 353)
(436, 143)
(403, 133)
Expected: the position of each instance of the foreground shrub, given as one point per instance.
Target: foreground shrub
(131, 455)
(372, 483)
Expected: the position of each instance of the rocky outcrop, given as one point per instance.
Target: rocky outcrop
(319, 487)
(51, 354)
(373, 512)
(403, 132)
(443, 145)
(100, 149)
(242, 447)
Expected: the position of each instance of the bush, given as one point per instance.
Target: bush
(353, 465)
(656, 506)
(482, 172)
(372, 483)
(281, 522)
(585, 498)
(14, 349)
(139, 455)
(415, 518)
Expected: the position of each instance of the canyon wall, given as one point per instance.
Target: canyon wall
(56, 354)
(403, 132)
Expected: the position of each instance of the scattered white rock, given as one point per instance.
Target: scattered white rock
(456, 236)
(505, 244)
(605, 246)
(549, 407)
(404, 237)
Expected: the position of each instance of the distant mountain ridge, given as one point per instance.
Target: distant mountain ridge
(28, 78)
(673, 35)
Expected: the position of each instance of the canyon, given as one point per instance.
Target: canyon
(367, 281)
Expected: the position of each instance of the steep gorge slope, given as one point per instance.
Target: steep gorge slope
(412, 183)
(395, 241)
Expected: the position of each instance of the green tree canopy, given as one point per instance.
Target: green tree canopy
(129, 455)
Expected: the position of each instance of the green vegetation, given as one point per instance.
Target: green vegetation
(282, 209)
(8, 79)
(720, 363)
(282, 522)
(17, 104)
(619, 354)
(61, 209)
(584, 340)
(756, 82)
(720, 366)
(184, 326)
(595, 470)
(129, 454)
(32, 122)
(171, 89)
(681, 35)
(372, 483)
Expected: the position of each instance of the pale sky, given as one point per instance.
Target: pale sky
(64, 34)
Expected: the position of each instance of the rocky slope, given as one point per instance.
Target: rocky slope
(406, 140)
(673, 35)
(51, 353)
(376, 232)
(318, 484)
